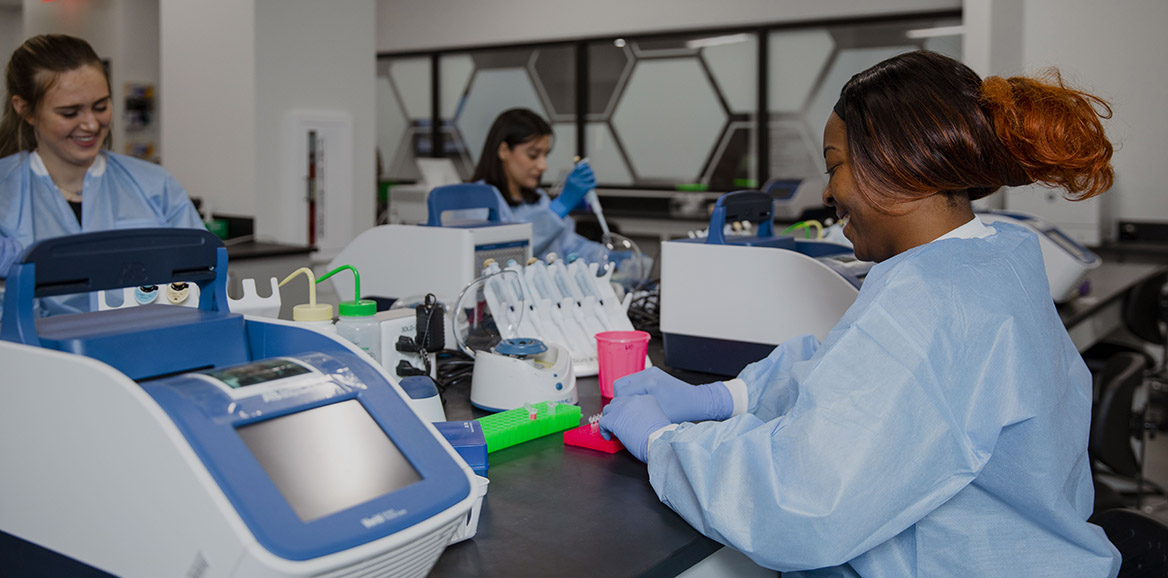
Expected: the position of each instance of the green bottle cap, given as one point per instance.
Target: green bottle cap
(358, 308)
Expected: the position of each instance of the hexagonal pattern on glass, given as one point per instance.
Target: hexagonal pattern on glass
(454, 71)
(669, 119)
(492, 92)
(392, 124)
(603, 155)
(554, 72)
(608, 70)
(795, 60)
(731, 166)
(791, 152)
(411, 76)
(847, 63)
(735, 70)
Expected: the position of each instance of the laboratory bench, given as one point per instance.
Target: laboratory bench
(1095, 315)
(556, 510)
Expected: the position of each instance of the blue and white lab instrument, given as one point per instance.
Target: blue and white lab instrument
(1066, 261)
(728, 301)
(401, 261)
(175, 441)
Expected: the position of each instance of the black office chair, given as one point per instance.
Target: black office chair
(1140, 539)
(1145, 311)
(1114, 424)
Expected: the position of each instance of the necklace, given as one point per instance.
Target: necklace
(71, 196)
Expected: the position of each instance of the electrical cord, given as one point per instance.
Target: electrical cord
(454, 368)
(645, 310)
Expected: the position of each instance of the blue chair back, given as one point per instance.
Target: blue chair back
(460, 197)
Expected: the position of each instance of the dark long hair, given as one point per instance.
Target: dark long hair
(32, 70)
(921, 123)
(514, 127)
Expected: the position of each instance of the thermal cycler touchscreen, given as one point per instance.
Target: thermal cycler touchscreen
(328, 458)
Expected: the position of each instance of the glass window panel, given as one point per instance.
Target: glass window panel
(403, 115)
(454, 72)
(491, 92)
(554, 73)
(669, 118)
(605, 155)
(608, 68)
(411, 78)
(807, 69)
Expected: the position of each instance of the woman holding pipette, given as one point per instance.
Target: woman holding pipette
(513, 160)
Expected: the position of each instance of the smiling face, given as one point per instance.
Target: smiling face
(73, 118)
(525, 163)
(873, 234)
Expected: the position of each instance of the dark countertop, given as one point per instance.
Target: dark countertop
(1133, 251)
(556, 510)
(1109, 283)
(258, 250)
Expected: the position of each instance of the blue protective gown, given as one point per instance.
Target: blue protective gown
(939, 430)
(119, 192)
(550, 233)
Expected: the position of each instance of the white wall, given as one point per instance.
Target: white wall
(234, 70)
(426, 24)
(136, 44)
(208, 113)
(313, 56)
(11, 26)
(1117, 51)
(1112, 49)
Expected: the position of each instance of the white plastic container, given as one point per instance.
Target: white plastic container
(357, 324)
(356, 321)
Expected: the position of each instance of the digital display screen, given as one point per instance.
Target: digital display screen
(328, 458)
(258, 372)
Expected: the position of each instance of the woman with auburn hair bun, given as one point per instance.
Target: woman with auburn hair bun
(940, 429)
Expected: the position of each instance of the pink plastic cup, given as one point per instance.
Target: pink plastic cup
(619, 353)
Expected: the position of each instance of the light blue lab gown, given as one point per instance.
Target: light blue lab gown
(940, 430)
(119, 192)
(550, 233)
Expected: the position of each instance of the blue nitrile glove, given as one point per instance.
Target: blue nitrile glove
(679, 400)
(633, 419)
(578, 184)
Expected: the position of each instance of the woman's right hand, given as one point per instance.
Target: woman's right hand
(579, 182)
(679, 400)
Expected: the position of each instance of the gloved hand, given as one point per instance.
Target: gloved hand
(633, 419)
(679, 400)
(578, 184)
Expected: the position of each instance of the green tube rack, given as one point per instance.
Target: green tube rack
(515, 426)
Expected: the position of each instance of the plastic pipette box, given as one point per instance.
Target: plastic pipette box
(468, 440)
(515, 426)
(586, 436)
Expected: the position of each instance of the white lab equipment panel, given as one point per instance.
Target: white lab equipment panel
(401, 261)
(756, 295)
